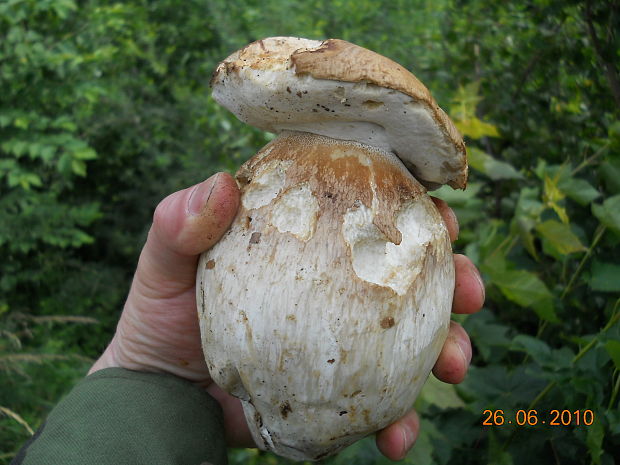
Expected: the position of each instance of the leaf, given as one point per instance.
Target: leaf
(463, 112)
(605, 277)
(21, 123)
(468, 207)
(47, 152)
(497, 454)
(613, 349)
(560, 237)
(7, 166)
(580, 190)
(608, 213)
(465, 101)
(614, 132)
(552, 195)
(524, 227)
(594, 441)
(85, 153)
(476, 128)
(542, 353)
(64, 7)
(497, 386)
(489, 336)
(441, 394)
(34, 150)
(80, 238)
(457, 197)
(78, 167)
(491, 167)
(528, 204)
(610, 172)
(613, 420)
(64, 164)
(522, 287)
(535, 348)
(23, 179)
(64, 122)
(15, 146)
(31, 179)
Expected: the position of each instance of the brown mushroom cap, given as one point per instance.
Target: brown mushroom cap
(338, 89)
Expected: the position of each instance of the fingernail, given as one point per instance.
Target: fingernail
(465, 348)
(200, 195)
(480, 282)
(408, 439)
(455, 221)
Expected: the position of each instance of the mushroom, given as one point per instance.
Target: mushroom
(326, 304)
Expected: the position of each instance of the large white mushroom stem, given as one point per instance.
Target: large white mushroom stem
(326, 304)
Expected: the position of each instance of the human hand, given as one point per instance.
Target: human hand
(158, 330)
(395, 440)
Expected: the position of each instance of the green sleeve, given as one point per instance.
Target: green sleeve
(116, 416)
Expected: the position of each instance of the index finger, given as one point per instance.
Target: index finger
(448, 217)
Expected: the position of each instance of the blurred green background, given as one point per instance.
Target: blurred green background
(105, 109)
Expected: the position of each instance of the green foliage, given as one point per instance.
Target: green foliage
(105, 109)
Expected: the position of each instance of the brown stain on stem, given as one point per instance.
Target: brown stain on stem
(285, 409)
(342, 175)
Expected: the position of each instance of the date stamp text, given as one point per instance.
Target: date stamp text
(534, 417)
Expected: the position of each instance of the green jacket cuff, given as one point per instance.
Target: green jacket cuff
(117, 416)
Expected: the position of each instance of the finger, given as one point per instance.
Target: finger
(186, 224)
(451, 366)
(235, 427)
(395, 440)
(448, 216)
(469, 290)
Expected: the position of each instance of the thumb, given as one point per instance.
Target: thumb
(185, 224)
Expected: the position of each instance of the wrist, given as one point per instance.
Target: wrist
(118, 355)
(106, 360)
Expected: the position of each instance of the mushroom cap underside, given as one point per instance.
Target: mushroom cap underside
(340, 90)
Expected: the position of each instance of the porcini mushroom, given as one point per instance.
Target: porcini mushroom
(326, 304)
